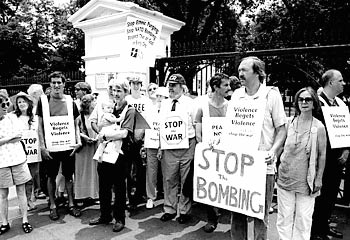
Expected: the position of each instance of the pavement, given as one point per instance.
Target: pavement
(142, 224)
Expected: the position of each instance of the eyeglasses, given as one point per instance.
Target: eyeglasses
(4, 104)
(152, 89)
(82, 89)
(307, 99)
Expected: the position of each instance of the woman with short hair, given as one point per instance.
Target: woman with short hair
(113, 175)
(13, 167)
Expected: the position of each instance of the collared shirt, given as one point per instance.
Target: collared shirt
(184, 104)
(275, 115)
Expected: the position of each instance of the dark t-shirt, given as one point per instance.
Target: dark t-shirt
(127, 124)
(58, 107)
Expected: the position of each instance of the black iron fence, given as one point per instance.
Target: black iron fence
(289, 69)
(17, 84)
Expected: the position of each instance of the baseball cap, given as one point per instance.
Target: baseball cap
(177, 78)
(134, 79)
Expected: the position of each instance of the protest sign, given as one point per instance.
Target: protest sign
(173, 131)
(59, 130)
(152, 135)
(212, 129)
(31, 143)
(141, 37)
(337, 121)
(231, 178)
(245, 119)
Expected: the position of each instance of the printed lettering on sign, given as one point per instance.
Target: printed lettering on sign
(174, 133)
(338, 125)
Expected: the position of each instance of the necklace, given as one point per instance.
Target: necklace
(297, 132)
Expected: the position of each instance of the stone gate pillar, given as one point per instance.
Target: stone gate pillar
(122, 40)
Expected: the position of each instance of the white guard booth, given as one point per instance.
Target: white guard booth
(122, 40)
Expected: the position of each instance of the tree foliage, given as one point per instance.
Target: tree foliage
(36, 37)
(297, 23)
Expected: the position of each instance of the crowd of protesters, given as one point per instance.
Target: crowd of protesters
(93, 149)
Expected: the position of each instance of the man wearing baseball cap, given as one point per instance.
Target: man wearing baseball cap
(177, 136)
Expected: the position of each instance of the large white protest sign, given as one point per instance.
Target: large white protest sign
(59, 130)
(338, 125)
(245, 119)
(230, 178)
(173, 131)
(141, 37)
(31, 143)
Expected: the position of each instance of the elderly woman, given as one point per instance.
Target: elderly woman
(301, 168)
(113, 175)
(29, 126)
(13, 168)
(86, 178)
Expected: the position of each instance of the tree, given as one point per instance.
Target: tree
(296, 23)
(36, 37)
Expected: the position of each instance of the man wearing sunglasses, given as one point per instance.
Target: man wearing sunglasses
(333, 84)
(59, 139)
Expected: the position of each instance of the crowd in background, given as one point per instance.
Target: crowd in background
(110, 156)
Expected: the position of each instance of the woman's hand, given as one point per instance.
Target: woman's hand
(76, 148)
(159, 154)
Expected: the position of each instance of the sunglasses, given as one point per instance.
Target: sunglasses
(82, 89)
(4, 104)
(152, 89)
(307, 99)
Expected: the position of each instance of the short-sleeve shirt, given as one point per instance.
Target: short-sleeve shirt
(11, 154)
(127, 124)
(275, 115)
(58, 107)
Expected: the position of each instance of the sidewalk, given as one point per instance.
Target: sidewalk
(142, 224)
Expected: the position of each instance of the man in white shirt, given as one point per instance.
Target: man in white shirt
(176, 163)
(252, 75)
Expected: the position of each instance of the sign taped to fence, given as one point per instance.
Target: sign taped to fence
(338, 125)
(230, 178)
